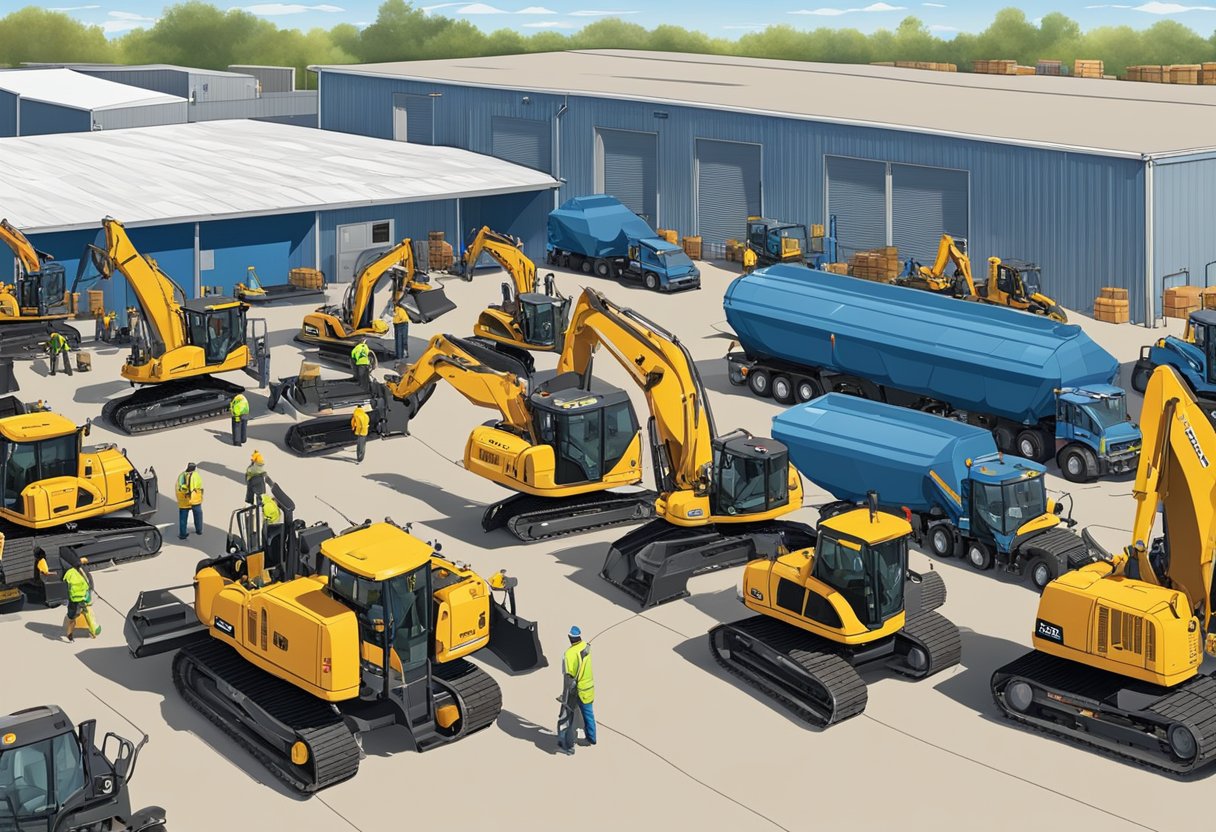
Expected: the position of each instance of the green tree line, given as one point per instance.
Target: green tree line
(196, 33)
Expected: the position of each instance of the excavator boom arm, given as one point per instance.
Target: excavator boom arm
(507, 253)
(157, 294)
(948, 252)
(364, 289)
(31, 259)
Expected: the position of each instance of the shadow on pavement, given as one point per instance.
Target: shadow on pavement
(587, 559)
(101, 392)
(514, 725)
(460, 517)
(54, 632)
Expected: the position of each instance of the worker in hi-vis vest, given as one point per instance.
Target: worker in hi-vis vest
(359, 424)
(578, 691)
(189, 500)
(361, 357)
(239, 408)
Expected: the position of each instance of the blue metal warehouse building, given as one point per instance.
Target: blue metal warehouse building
(206, 200)
(36, 102)
(1102, 183)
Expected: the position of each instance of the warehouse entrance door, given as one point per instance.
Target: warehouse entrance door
(356, 238)
(627, 163)
(728, 188)
(413, 118)
(524, 141)
(857, 197)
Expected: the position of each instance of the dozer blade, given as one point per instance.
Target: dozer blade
(515, 640)
(320, 436)
(425, 306)
(161, 622)
(654, 562)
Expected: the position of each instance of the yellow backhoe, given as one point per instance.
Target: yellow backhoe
(35, 304)
(336, 329)
(1118, 644)
(181, 345)
(299, 642)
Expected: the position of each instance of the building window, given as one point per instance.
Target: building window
(381, 233)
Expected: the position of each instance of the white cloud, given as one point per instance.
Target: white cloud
(831, 12)
(548, 24)
(429, 9)
(124, 21)
(937, 27)
(72, 8)
(480, 8)
(277, 9)
(1154, 7)
(934, 5)
(127, 16)
(1109, 6)
(597, 13)
(536, 10)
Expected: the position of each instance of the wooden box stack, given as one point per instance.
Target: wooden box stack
(692, 247)
(1207, 299)
(439, 252)
(1207, 73)
(670, 235)
(932, 66)
(1001, 67)
(306, 279)
(1087, 69)
(1111, 306)
(1148, 73)
(836, 268)
(734, 251)
(881, 264)
(97, 303)
(1181, 301)
(1026, 70)
(1046, 67)
(1182, 73)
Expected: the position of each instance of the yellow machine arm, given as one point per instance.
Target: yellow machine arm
(363, 291)
(507, 253)
(662, 367)
(1176, 477)
(948, 252)
(160, 298)
(31, 259)
(449, 359)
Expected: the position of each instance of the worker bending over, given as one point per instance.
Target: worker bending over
(57, 345)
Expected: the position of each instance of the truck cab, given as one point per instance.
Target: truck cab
(1193, 356)
(777, 242)
(1094, 435)
(661, 265)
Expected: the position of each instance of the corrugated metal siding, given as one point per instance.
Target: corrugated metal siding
(1184, 204)
(269, 244)
(8, 114)
(39, 119)
(1080, 217)
(520, 215)
(272, 78)
(169, 81)
(301, 104)
(413, 219)
(926, 203)
(207, 87)
(148, 115)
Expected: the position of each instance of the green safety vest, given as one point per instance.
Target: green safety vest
(270, 510)
(361, 354)
(78, 585)
(578, 666)
(239, 406)
(58, 343)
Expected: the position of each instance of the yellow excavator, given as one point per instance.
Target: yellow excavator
(62, 497)
(1118, 644)
(336, 329)
(181, 346)
(527, 320)
(297, 643)
(559, 445)
(850, 601)
(1011, 283)
(35, 305)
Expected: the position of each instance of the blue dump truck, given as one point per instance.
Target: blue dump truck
(1041, 387)
(1193, 356)
(963, 496)
(598, 235)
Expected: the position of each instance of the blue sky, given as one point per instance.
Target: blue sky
(722, 18)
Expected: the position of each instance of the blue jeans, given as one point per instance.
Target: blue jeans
(588, 709)
(401, 338)
(183, 513)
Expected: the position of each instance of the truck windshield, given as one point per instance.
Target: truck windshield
(674, 259)
(1024, 501)
(1108, 412)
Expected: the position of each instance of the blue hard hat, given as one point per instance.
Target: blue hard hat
(575, 632)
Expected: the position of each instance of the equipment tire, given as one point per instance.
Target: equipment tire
(603, 268)
(1030, 445)
(651, 281)
(783, 389)
(734, 374)
(1041, 572)
(941, 540)
(806, 389)
(1004, 437)
(1077, 463)
(550, 257)
(759, 382)
(979, 555)
(1140, 377)
(585, 266)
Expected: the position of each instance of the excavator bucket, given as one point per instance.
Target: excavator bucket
(160, 622)
(389, 417)
(424, 306)
(146, 494)
(515, 640)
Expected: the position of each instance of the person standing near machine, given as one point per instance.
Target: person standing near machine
(361, 357)
(189, 500)
(255, 478)
(401, 332)
(239, 408)
(359, 423)
(578, 690)
(57, 345)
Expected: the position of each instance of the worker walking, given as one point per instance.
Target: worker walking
(273, 517)
(255, 478)
(401, 331)
(361, 357)
(578, 690)
(749, 261)
(57, 345)
(189, 500)
(239, 408)
(80, 598)
(359, 423)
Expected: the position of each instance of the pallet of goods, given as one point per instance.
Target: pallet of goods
(1111, 306)
(1181, 301)
(880, 264)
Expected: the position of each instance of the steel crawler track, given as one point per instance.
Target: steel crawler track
(170, 404)
(532, 518)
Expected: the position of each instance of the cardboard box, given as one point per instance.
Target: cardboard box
(817, 230)
(1207, 300)
(837, 268)
(97, 303)
(1111, 311)
(434, 236)
(670, 235)
(1113, 293)
(692, 247)
(1181, 301)
(306, 278)
(84, 361)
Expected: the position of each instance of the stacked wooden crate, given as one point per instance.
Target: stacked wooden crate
(1111, 306)
(1047, 67)
(1025, 70)
(1207, 299)
(932, 66)
(439, 253)
(880, 264)
(1207, 73)
(670, 235)
(1183, 73)
(1181, 301)
(306, 279)
(836, 268)
(97, 303)
(692, 247)
(1148, 73)
(1087, 69)
(1000, 67)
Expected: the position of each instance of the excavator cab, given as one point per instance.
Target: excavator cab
(217, 327)
(751, 475)
(43, 292)
(542, 319)
(863, 555)
(589, 432)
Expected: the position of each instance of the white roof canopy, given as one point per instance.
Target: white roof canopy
(77, 90)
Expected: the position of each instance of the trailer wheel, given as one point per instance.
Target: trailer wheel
(603, 268)
(806, 389)
(941, 540)
(585, 266)
(979, 555)
(783, 389)
(1042, 572)
(550, 257)
(1140, 377)
(1077, 463)
(651, 281)
(758, 382)
(1004, 437)
(1031, 445)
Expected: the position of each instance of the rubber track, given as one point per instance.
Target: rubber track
(479, 695)
(18, 564)
(332, 747)
(938, 636)
(520, 511)
(816, 657)
(932, 592)
(1193, 703)
(118, 411)
(1062, 542)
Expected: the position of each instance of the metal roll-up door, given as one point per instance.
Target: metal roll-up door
(523, 141)
(628, 170)
(413, 118)
(728, 189)
(926, 203)
(857, 197)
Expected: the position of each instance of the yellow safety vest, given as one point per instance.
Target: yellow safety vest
(270, 510)
(78, 585)
(361, 354)
(400, 316)
(58, 343)
(578, 667)
(359, 423)
(189, 489)
(239, 406)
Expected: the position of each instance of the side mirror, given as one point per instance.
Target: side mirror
(1058, 509)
